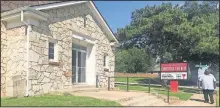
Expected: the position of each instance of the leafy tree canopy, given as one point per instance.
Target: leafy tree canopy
(190, 31)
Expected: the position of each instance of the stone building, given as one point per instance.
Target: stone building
(53, 45)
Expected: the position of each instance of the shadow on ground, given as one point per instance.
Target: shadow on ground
(198, 100)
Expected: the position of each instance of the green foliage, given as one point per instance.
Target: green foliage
(190, 30)
(132, 60)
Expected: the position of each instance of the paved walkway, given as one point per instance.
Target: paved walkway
(142, 99)
(110, 95)
(195, 100)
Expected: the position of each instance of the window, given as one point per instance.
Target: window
(51, 50)
(105, 61)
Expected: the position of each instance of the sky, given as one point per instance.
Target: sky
(118, 13)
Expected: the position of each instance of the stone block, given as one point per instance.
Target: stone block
(52, 76)
(45, 80)
(47, 74)
(46, 87)
(33, 56)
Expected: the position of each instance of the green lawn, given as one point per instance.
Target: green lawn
(181, 94)
(132, 80)
(55, 100)
(184, 93)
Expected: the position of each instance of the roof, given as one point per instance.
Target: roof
(10, 5)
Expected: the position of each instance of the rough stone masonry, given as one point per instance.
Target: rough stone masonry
(44, 77)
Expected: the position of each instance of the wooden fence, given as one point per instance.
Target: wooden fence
(144, 75)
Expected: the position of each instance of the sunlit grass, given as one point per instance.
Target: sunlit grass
(55, 100)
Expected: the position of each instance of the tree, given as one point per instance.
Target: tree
(192, 30)
(132, 60)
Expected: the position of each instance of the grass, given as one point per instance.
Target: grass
(181, 94)
(132, 80)
(56, 100)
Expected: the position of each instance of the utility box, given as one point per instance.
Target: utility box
(174, 86)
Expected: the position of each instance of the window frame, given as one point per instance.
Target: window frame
(55, 59)
(105, 61)
(50, 53)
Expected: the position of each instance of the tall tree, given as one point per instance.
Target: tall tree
(191, 29)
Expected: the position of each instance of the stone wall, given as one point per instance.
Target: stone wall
(13, 59)
(62, 23)
(3, 59)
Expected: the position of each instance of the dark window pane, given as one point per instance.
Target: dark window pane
(81, 75)
(83, 48)
(51, 45)
(51, 56)
(51, 50)
(79, 59)
(75, 46)
(74, 74)
(74, 58)
(104, 61)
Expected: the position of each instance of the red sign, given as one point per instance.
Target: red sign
(174, 67)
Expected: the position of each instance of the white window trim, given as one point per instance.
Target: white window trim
(106, 61)
(51, 40)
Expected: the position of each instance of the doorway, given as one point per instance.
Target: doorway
(78, 64)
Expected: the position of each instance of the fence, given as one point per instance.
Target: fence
(149, 84)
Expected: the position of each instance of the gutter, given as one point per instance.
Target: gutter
(28, 44)
(56, 5)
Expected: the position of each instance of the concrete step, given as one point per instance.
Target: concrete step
(129, 98)
(85, 90)
(82, 86)
(151, 102)
(144, 101)
(79, 88)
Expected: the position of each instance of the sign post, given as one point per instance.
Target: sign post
(174, 72)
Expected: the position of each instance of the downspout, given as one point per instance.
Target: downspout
(28, 38)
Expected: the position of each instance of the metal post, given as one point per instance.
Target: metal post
(108, 83)
(97, 81)
(127, 83)
(149, 85)
(168, 97)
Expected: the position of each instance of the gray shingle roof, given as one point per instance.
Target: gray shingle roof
(10, 5)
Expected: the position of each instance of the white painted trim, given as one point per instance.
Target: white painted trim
(25, 9)
(83, 39)
(57, 5)
(56, 50)
(16, 18)
(103, 22)
(25, 14)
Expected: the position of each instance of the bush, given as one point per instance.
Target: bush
(132, 60)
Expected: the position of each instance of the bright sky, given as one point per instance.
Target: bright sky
(118, 13)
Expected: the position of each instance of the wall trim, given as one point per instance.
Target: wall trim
(14, 18)
(57, 5)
